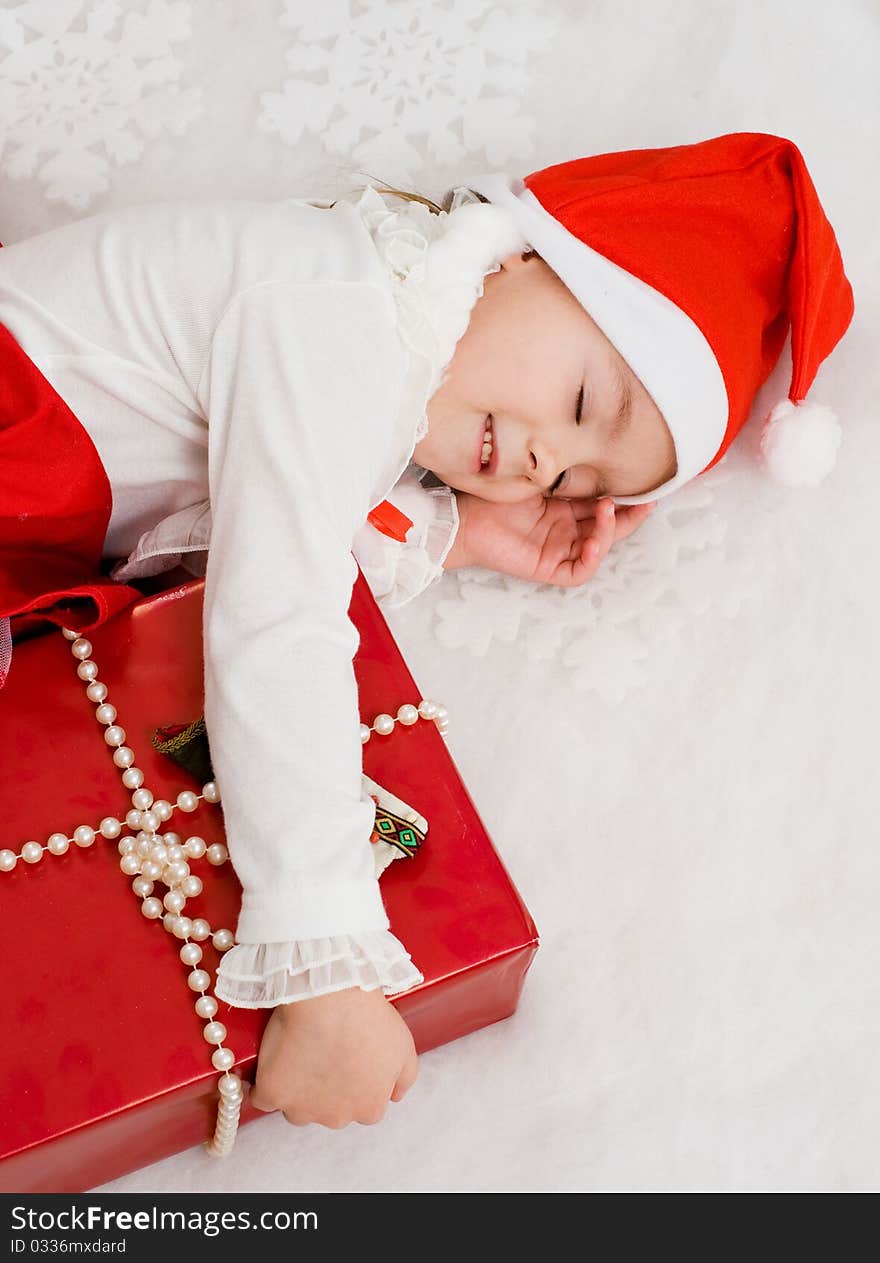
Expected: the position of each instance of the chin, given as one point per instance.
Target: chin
(484, 489)
(471, 484)
(457, 484)
(480, 486)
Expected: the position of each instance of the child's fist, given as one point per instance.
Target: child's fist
(335, 1059)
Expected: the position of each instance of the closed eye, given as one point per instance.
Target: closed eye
(577, 416)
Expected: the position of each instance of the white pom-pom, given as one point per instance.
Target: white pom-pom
(799, 443)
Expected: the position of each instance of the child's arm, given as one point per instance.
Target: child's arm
(556, 541)
(297, 448)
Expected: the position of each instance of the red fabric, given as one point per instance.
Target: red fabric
(729, 229)
(55, 504)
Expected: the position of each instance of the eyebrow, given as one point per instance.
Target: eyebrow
(623, 416)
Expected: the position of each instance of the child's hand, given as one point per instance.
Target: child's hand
(542, 539)
(335, 1059)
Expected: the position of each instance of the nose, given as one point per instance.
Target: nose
(541, 463)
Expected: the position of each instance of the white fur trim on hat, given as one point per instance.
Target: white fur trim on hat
(665, 348)
(799, 443)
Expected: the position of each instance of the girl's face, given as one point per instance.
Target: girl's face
(534, 367)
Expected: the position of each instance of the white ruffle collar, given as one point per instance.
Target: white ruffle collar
(437, 265)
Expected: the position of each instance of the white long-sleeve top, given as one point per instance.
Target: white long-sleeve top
(254, 376)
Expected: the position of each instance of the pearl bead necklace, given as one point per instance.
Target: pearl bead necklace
(149, 855)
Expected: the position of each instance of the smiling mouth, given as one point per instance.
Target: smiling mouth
(487, 458)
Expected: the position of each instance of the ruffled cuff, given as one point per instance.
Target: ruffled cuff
(398, 571)
(262, 975)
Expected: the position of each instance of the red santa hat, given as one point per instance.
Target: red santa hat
(693, 261)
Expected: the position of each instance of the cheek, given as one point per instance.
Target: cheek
(459, 400)
(480, 368)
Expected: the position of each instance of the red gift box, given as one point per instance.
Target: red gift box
(104, 1067)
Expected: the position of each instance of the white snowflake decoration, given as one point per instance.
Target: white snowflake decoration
(396, 70)
(679, 565)
(73, 100)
